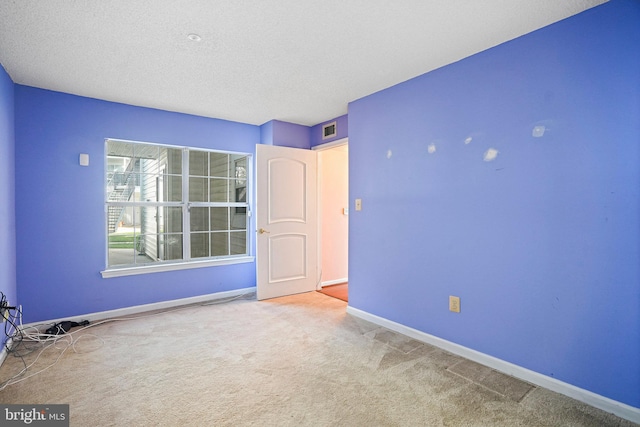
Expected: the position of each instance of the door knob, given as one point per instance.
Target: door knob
(262, 231)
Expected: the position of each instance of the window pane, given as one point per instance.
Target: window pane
(239, 170)
(147, 222)
(199, 245)
(145, 151)
(170, 247)
(238, 219)
(152, 165)
(145, 245)
(149, 185)
(219, 244)
(172, 189)
(199, 219)
(173, 160)
(238, 192)
(219, 219)
(126, 247)
(147, 242)
(198, 189)
(121, 248)
(122, 184)
(169, 238)
(119, 149)
(219, 165)
(238, 242)
(240, 195)
(198, 163)
(173, 220)
(218, 192)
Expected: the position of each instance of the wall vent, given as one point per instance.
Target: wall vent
(329, 130)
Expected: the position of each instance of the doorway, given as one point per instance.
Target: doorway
(333, 195)
(296, 260)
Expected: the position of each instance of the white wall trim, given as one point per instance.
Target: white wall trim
(159, 268)
(609, 405)
(136, 309)
(334, 282)
(332, 144)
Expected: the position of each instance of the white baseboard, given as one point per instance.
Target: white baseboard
(136, 309)
(4, 353)
(334, 282)
(604, 403)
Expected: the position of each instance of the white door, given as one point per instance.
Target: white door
(286, 221)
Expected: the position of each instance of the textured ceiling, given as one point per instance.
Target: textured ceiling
(299, 61)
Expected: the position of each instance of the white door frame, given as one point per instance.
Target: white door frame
(332, 144)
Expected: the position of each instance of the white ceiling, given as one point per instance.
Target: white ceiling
(299, 61)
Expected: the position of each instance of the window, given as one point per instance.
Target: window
(174, 207)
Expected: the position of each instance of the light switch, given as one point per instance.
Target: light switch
(84, 159)
(358, 204)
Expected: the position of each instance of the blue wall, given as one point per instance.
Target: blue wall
(542, 244)
(285, 134)
(266, 133)
(60, 205)
(7, 198)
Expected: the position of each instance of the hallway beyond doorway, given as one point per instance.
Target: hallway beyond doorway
(340, 291)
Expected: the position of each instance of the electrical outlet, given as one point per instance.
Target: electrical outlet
(454, 304)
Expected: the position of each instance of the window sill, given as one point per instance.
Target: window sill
(158, 268)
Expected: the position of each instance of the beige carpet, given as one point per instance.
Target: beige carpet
(293, 361)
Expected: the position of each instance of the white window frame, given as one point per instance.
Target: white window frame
(186, 262)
